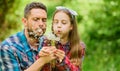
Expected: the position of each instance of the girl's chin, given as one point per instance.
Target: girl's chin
(58, 35)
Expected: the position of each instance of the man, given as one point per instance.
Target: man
(18, 52)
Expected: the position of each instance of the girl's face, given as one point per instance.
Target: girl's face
(61, 25)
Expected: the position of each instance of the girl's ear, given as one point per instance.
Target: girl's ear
(24, 21)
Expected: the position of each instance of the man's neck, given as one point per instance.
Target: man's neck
(33, 44)
(32, 41)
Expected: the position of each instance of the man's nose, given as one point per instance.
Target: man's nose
(41, 23)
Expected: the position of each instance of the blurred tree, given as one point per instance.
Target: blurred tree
(5, 7)
(8, 8)
(102, 35)
(107, 26)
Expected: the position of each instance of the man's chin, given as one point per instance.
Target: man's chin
(40, 34)
(36, 36)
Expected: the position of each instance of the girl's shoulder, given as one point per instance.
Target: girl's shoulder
(82, 44)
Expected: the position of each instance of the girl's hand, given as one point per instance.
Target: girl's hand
(76, 61)
(59, 54)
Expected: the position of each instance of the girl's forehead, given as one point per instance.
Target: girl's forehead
(61, 15)
(61, 11)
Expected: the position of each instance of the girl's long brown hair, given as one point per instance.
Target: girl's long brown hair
(74, 38)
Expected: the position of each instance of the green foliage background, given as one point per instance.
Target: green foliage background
(98, 25)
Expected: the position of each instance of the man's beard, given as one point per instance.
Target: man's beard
(34, 34)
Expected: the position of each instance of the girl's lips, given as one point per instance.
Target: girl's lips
(58, 30)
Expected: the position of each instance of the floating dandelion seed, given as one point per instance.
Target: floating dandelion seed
(49, 40)
(53, 39)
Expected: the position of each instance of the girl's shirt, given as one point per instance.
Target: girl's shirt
(65, 65)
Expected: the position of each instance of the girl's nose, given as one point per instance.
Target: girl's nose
(59, 24)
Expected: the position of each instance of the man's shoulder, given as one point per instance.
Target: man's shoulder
(11, 40)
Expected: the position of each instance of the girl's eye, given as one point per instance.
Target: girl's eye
(55, 21)
(64, 22)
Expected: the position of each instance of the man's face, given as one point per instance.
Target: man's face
(36, 23)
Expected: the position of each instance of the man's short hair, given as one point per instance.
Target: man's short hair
(33, 5)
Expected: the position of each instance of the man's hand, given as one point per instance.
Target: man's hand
(47, 53)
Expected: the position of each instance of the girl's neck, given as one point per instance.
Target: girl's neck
(64, 41)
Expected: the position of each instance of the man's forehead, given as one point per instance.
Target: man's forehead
(38, 12)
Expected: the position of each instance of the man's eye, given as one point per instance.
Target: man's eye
(44, 19)
(36, 19)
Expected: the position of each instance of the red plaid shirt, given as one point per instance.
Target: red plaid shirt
(65, 65)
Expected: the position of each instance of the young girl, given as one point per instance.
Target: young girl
(70, 50)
